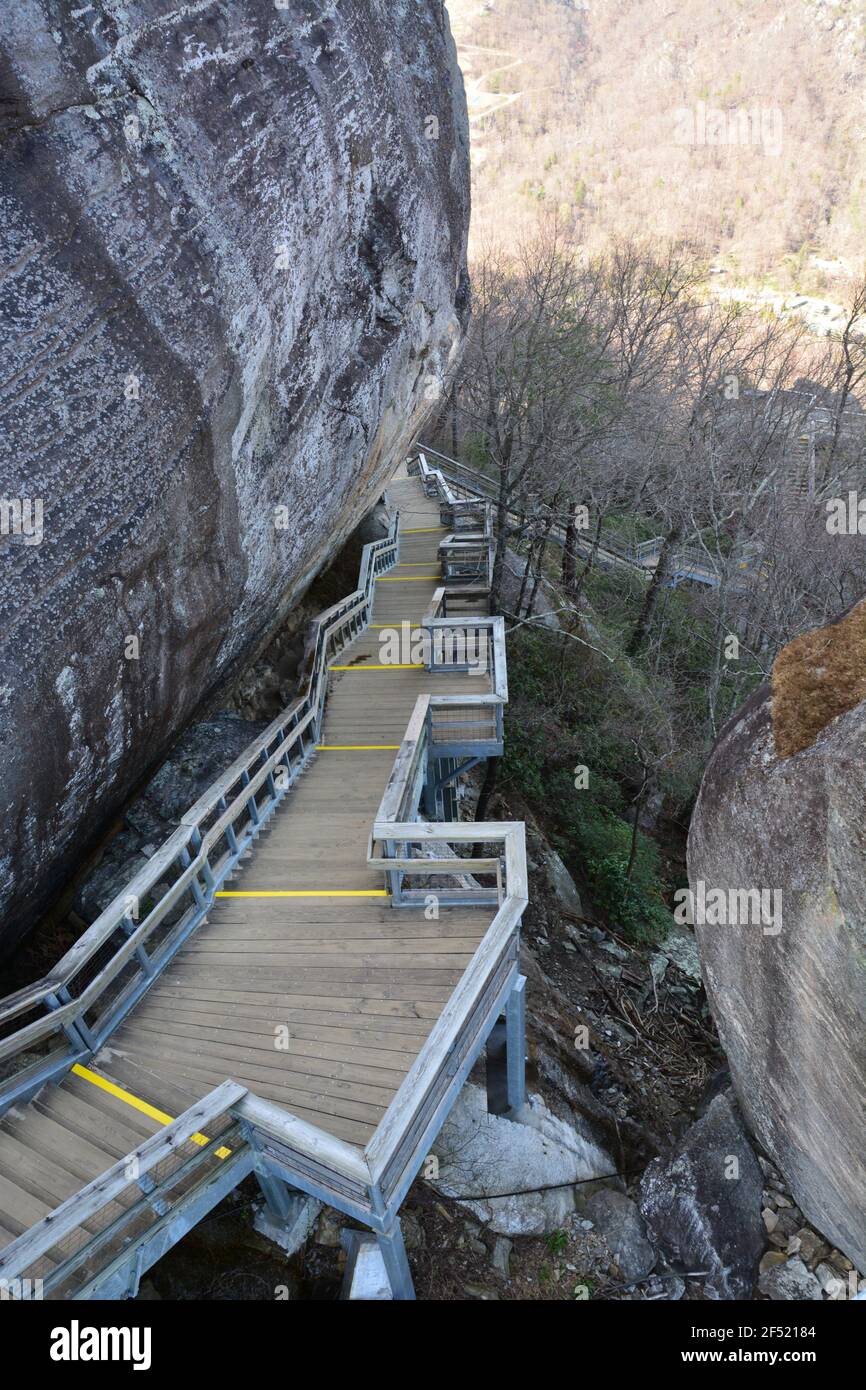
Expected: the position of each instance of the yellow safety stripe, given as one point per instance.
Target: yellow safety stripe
(137, 1104)
(307, 893)
(356, 747)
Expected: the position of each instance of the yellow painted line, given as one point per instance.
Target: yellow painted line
(411, 564)
(395, 666)
(408, 578)
(129, 1099)
(422, 530)
(355, 747)
(308, 893)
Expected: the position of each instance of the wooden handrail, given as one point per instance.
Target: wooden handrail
(367, 1182)
(95, 1195)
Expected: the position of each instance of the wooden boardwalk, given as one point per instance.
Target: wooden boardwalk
(320, 1000)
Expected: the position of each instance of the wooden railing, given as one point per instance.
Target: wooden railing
(425, 1096)
(462, 485)
(465, 514)
(427, 863)
(98, 1243)
(72, 1011)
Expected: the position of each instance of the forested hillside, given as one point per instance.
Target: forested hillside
(738, 128)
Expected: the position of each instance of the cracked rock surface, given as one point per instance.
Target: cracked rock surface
(233, 240)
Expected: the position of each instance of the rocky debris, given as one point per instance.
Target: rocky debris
(329, 1226)
(538, 1158)
(681, 947)
(617, 1218)
(792, 1242)
(235, 238)
(413, 1233)
(789, 1002)
(810, 1247)
(789, 1279)
(831, 1283)
(702, 1205)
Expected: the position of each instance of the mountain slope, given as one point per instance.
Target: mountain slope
(736, 127)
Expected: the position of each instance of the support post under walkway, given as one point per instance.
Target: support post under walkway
(506, 1055)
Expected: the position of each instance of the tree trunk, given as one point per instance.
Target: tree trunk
(569, 551)
(525, 580)
(590, 559)
(635, 830)
(501, 543)
(454, 440)
(826, 472)
(654, 589)
(539, 565)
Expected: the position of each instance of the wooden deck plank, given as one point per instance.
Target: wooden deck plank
(245, 1025)
(231, 980)
(377, 1011)
(341, 1081)
(357, 985)
(351, 1057)
(195, 1082)
(112, 1134)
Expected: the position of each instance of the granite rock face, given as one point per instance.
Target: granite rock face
(233, 239)
(527, 1164)
(702, 1205)
(790, 1001)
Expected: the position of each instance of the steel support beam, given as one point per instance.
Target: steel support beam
(506, 1055)
(395, 1260)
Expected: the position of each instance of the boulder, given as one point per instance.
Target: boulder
(702, 1205)
(616, 1217)
(791, 1280)
(235, 280)
(782, 807)
(536, 1159)
(680, 947)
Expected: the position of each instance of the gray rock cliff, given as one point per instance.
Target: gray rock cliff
(790, 999)
(233, 247)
